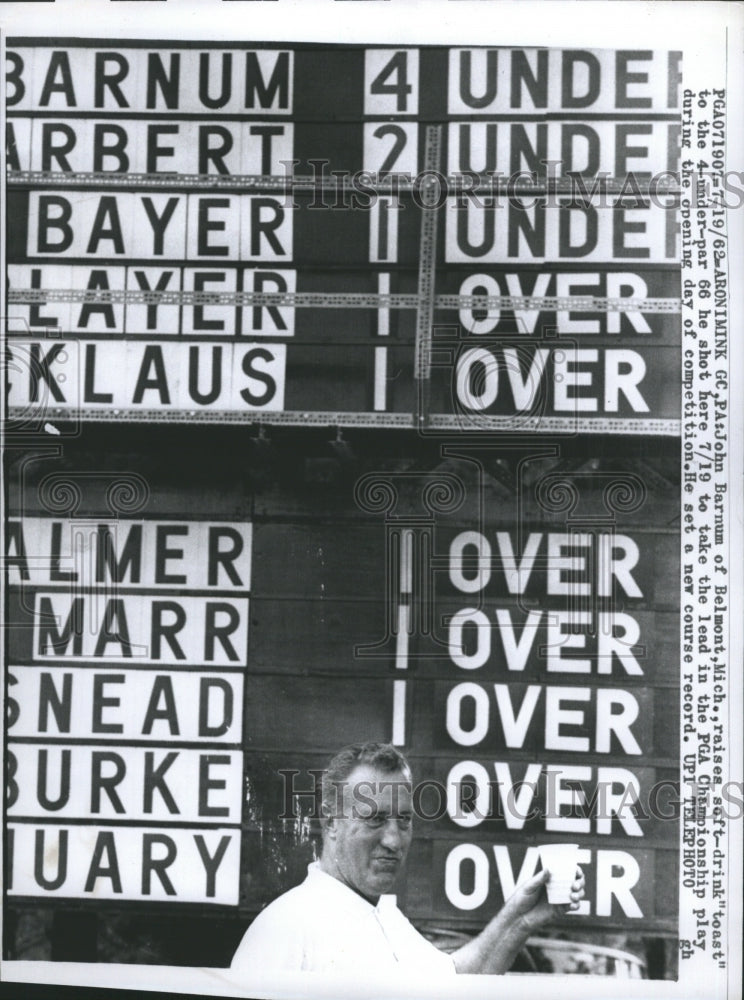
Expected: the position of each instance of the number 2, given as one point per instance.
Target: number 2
(399, 142)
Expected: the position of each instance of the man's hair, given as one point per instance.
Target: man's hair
(382, 756)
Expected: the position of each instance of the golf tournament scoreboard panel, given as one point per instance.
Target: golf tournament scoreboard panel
(466, 239)
(171, 689)
(457, 241)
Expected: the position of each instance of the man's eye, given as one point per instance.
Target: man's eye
(375, 820)
(404, 822)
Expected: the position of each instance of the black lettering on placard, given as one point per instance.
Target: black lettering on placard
(570, 60)
(624, 78)
(624, 151)
(489, 226)
(159, 851)
(522, 149)
(465, 150)
(11, 785)
(195, 366)
(106, 226)
(523, 77)
(526, 225)
(466, 79)
(565, 228)
(12, 160)
(160, 629)
(98, 280)
(163, 553)
(159, 223)
(57, 575)
(206, 685)
(102, 149)
(157, 866)
(35, 318)
(214, 632)
(59, 61)
(211, 863)
(399, 143)
(157, 712)
(130, 560)
(276, 282)
(105, 80)
(12, 708)
(105, 844)
(154, 150)
(47, 222)
(207, 783)
(100, 702)
(580, 149)
(217, 557)
(167, 83)
(71, 632)
(154, 780)
(52, 805)
(569, 132)
(265, 132)
(51, 151)
(201, 280)
(49, 698)
(152, 357)
(258, 354)
(623, 226)
(396, 67)
(162, 687)
(115, 629)
(17, 544)
(266, 92)
(40, 855)
(13, 77)
(206, 74)
(214, 154)
(533, 234)
(106, 783)
(152, 307)
(265, 226)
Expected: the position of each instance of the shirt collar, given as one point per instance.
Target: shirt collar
(345, 896)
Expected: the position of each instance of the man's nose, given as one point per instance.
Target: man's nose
(392, 836)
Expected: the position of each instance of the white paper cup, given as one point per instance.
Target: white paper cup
(561, 860)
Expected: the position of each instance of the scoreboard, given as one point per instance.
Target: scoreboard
(174, 687)
(470, 238)
(450, 250)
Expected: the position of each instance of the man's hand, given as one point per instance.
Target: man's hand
(525, 911)
(529, 904)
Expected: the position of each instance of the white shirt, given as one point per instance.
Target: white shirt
(324, 926)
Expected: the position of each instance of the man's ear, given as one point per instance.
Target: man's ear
(329, 826)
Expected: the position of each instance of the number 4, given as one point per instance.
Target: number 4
(392, 81)
(397, 68)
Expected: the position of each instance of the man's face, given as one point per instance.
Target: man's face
(367, 843)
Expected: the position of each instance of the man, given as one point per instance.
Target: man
(339, 919)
